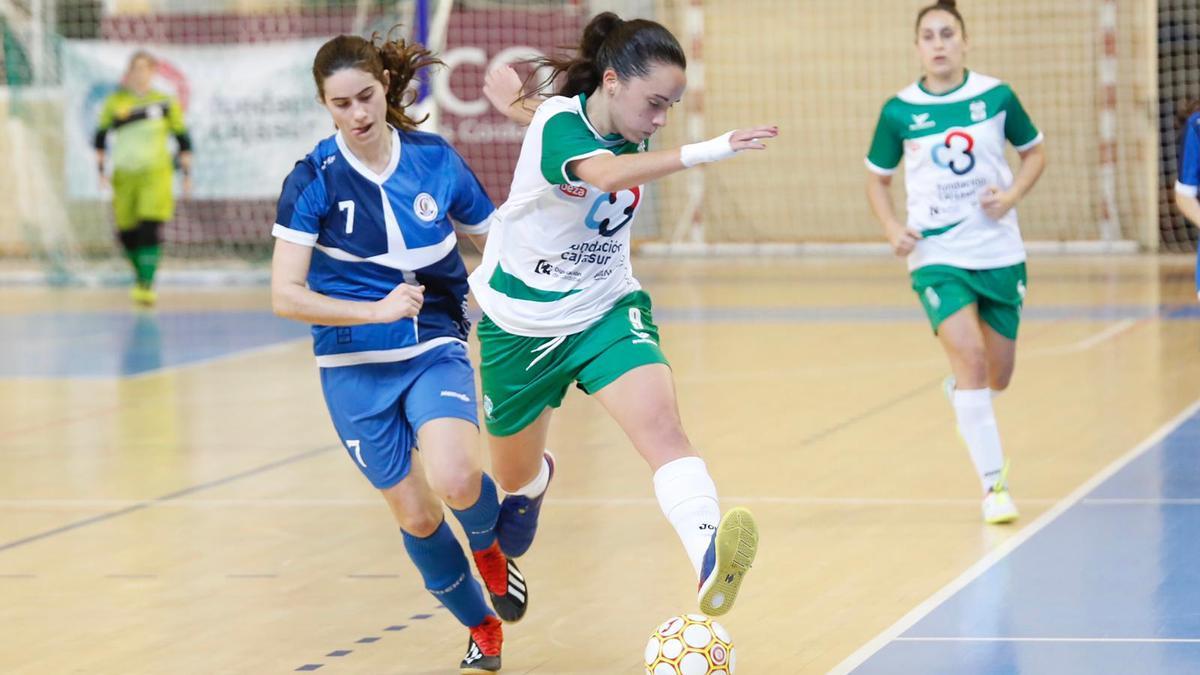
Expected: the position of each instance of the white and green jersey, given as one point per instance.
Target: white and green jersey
(557, 256)
(953, 149)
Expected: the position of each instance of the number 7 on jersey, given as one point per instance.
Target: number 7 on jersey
(348, 206)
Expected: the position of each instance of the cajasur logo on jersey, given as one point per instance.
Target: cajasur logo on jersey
(955, 152)
(613, 210)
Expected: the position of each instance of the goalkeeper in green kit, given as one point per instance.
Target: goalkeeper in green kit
(141, 119)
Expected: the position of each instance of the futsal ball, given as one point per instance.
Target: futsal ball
(690, 644)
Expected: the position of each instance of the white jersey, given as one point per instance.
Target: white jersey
(557, 256)
(953, 149)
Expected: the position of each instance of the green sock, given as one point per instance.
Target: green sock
(145, 264)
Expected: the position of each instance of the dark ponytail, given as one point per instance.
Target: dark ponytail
(1184, 111)
(628, 47)
(402, 60)
(948, 6)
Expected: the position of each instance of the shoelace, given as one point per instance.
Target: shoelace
(488, 636)
(493, 567)
(1001, 484)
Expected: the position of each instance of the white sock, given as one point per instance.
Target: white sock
(977, 424)
(539, 484)
(688, 498)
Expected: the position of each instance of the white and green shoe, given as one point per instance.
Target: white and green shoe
(998, 506)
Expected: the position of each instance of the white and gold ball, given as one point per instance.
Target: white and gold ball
(690, 644)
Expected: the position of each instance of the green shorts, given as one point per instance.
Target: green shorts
(143, 195)
(998, 293)
(522, 376)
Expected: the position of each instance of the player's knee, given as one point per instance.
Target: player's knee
(972, 361)
(420, 522)
(999, 381)
(667, 437)
(461, 490)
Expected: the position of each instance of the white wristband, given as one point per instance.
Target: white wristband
(712, 150)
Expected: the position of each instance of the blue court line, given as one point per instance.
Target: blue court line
(368, 640)
(165, 498)
(122, 344)
(1105, 582)
(114, 344)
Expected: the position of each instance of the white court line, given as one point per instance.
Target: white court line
(566, 502)
(1078, 346)
(576, 502)
(1043, 639)
(1086, 343)
(922, 610)
(1149, 501)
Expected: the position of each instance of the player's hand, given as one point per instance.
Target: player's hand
(902, 239)
(748, 139)
(404, 301)
(996, 202)
(105, 186)
(502, 86)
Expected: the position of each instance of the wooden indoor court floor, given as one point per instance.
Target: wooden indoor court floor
(173, 498)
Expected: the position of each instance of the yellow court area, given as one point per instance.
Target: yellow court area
(199, 516)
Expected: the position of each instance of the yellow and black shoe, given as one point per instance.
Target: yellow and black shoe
(729, 557)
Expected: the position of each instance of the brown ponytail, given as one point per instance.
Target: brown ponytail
(402, 61)
(1184, 111)
(628, 47)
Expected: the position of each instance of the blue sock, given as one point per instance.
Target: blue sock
(479, 521)
(440, 559)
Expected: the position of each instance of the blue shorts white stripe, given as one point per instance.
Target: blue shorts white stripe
(378, 408)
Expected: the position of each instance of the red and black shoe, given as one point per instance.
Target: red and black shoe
(504, 582)
(483, 650)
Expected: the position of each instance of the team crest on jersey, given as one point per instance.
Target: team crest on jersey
(978, 111)
(425, 207)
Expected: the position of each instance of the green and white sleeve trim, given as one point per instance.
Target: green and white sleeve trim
(1036, 140)
(879, 170)
(563, 169)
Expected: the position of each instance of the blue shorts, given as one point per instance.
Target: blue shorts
(377, 408)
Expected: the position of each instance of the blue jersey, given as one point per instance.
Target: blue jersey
(1189, 170)
(371, 232)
